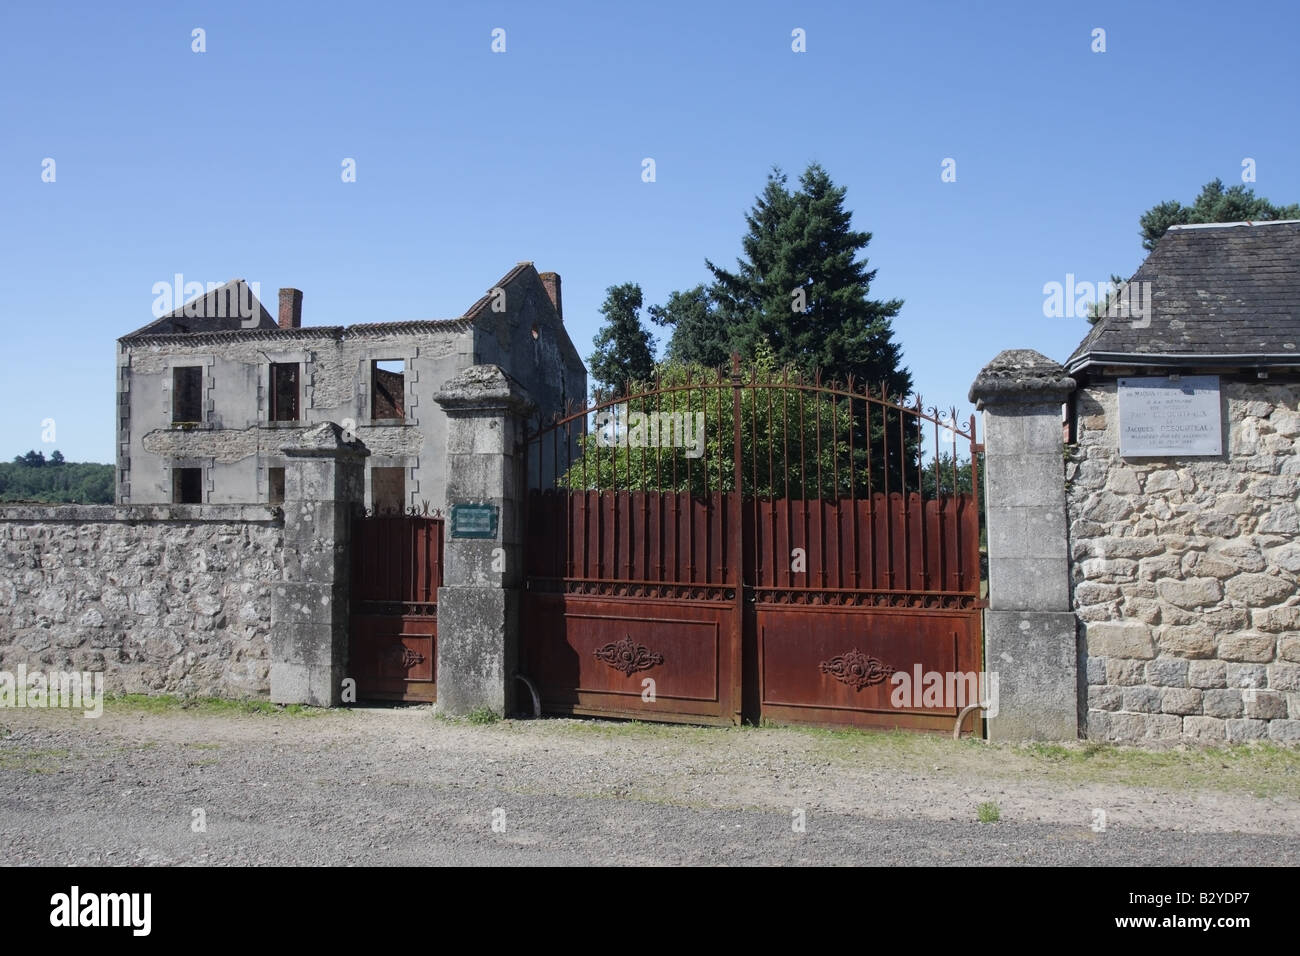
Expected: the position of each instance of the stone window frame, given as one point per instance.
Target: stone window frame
(265, 462)
(206, 361)
(123, 470)
(306, 386)
(408, 464)
(205, 477)
(405, 354)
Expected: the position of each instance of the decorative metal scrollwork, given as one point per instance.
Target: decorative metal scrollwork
(628, 656)
(856, 669)
(421, 510)
(406, 658)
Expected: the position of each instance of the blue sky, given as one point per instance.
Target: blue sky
(227, 163)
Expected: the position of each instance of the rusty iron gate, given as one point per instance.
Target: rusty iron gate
(393, 628)
(723, 548)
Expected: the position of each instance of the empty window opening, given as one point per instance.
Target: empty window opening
(275, 486)
(284, 391)
(388, 490)
(187, 486)
(187, 393)
(388, 389)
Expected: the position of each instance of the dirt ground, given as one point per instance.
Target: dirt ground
(158, 783)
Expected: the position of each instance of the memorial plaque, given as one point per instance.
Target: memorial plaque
(1159, 416)
(473, 521)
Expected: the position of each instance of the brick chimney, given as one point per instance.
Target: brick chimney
(290, 309)
(552, 282)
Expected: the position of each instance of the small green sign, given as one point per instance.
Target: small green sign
(473, 521)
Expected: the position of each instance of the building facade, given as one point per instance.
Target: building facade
(207, 393)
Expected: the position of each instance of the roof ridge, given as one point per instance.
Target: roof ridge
(1229, 225)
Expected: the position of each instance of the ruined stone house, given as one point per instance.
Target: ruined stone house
(207, 392)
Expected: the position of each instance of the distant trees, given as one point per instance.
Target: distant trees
(31, 477)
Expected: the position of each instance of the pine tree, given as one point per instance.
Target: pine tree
(701, 335)
(623, 353)
(802, 288)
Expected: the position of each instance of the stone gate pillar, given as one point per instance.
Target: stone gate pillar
(1029, 631)
(478, 604)
(324, 481)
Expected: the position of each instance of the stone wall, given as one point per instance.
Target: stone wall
(161, 599)
(1186, 575)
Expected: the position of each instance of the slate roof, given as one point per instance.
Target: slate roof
(1220, 293)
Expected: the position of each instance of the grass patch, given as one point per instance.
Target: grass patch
(213, 706)
(988, 812)
(1262, 768)
(33, 760)
(483, 715)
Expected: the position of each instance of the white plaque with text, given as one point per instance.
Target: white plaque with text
(1162, 417)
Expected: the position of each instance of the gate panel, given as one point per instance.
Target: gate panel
(814, 542)
(594, 655)
(836, 664)
(393, 628)
(627, 585)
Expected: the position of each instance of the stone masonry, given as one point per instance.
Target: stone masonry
(162, 599)
(1186, 575)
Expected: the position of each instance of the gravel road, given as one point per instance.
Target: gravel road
(399, 786)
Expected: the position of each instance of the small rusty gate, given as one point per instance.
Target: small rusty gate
(396, 573)
(719, 550)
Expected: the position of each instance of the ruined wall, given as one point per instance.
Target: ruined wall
(1186, 575)
(163, 599)
(236, 443)
(530, 343)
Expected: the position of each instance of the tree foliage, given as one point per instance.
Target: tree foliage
(623, 345)
(1214, 204)
(31, 478)
(799, 288)
(700, 332)
(797, 440)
